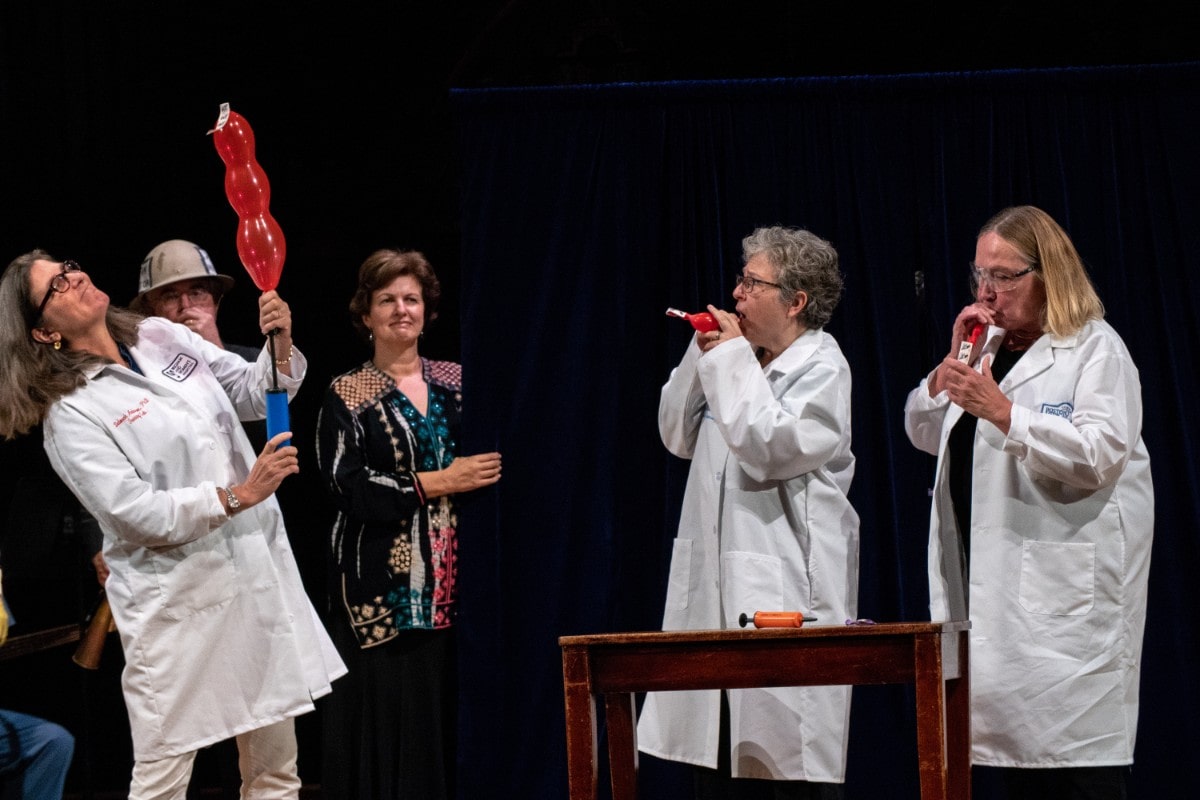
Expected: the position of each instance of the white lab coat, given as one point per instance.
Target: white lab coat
(218, 633)
(1062, 518)
(765, 526)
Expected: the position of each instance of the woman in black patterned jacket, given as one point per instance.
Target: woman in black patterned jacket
(388, 439)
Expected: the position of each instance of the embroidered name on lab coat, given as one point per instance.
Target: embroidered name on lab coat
(180, 368)
(1063, 410)
(133, 414)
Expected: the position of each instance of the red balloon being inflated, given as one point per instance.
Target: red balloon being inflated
(702, 321)
(260, 242)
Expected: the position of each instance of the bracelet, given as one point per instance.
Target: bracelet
(283, 362)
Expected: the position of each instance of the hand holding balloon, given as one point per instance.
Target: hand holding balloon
(275, 320)
(729, 327)
(968, 344)
(275, 317)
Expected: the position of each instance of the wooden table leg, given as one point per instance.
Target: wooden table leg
(958, 724)
(931, 718)
(620, 717)
(581, 725)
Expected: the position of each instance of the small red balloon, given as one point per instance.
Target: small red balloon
(702, 321)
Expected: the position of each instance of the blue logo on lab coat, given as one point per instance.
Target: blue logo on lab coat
(1063, 410)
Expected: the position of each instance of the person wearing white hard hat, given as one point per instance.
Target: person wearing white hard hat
(178, 281)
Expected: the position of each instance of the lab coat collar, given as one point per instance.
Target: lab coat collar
(797, 352)
(1038, 359)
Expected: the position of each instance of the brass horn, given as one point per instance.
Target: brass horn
(91, 644)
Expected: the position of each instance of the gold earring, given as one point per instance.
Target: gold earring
(58, 344)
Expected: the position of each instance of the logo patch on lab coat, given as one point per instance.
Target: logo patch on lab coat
(1063, 410)
(180, 368)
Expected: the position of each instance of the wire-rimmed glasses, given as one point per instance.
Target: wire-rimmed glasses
(750, 283)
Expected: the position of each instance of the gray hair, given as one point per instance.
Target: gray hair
(805, 263)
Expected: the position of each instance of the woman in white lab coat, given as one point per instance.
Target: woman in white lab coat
(762, 409)
(1043, 513)
(141, 420)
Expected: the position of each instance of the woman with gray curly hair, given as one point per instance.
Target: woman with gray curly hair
(761, 407)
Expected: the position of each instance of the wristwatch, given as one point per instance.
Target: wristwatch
(231, 499)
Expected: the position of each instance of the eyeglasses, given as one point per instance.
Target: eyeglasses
(749, 284)
(999, 281)
(59, 284)
(194, 294)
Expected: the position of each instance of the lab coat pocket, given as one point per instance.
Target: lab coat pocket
(752, 582)
(680, 581)
(1057, 578)
(196, 576)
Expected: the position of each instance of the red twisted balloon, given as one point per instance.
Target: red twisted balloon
(260, 243)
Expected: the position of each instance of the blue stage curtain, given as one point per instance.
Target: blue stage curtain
(587, 211)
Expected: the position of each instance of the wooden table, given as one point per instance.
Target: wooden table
(932, 656)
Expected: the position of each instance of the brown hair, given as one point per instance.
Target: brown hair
(33, 375)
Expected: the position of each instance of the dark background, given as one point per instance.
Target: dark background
(104, 152)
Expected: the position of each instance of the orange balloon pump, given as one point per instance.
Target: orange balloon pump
(776, 619)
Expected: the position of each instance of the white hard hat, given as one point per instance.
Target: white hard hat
(173, 261)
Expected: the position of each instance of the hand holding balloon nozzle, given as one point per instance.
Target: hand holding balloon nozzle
(703, 321)
(775, 619)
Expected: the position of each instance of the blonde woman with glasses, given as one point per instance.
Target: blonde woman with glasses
(1043, 513)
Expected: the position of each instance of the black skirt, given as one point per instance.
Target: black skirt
(389, 727)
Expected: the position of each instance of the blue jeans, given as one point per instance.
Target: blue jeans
(34, 755)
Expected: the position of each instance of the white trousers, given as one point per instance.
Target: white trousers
(266, 760)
